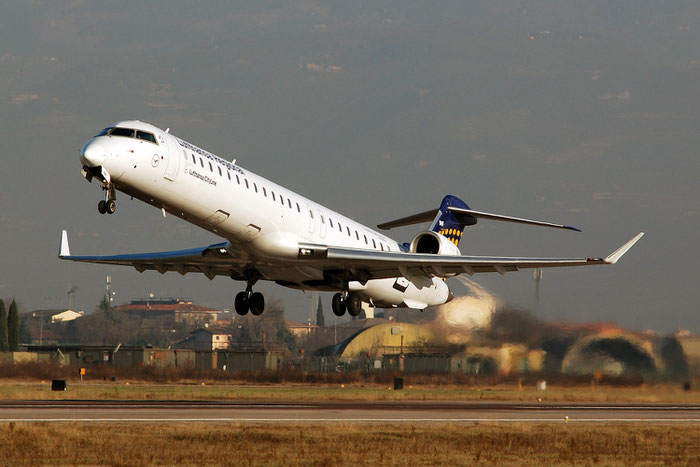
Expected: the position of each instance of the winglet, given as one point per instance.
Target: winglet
(65, 249)
(613, 257)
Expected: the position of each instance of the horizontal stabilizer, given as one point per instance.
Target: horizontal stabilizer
(467, 217)
(498, 217)
(420, 218)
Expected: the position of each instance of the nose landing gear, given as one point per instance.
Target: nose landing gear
(107, 205)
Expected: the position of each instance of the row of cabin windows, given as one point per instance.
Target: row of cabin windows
(289, 203)
(247, 184)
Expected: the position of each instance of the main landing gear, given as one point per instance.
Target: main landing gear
(249, 301)
(107, 205)
(343, 301)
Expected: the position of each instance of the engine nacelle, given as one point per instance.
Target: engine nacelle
(432, 243)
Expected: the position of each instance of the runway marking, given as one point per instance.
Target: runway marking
(358, 420)
(602, 407)
(153, 406)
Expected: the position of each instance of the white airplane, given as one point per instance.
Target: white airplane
(272, 233)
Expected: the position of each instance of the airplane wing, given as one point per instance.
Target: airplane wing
(371, 264)
(213, 260)
(351, 264)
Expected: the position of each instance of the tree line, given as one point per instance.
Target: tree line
(9, 327)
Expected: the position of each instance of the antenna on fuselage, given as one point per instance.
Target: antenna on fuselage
(167, 130)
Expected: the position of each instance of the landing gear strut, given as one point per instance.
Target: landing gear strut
(343, 301)
(249, 301)
(107, 205)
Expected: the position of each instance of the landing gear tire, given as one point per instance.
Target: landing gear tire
(111, 206)
(257, 303)
(338, 304)
(241, 303)
(102, 207)
(354, 304)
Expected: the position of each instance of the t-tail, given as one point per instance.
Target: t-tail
(450, 223)
(454, 215)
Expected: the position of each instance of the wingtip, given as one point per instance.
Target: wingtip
(64, 250)
(617, 254)
(572, 228)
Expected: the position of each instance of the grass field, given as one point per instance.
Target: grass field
(333, 444)
(22, 390)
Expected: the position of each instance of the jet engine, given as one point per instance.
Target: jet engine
(432, 243)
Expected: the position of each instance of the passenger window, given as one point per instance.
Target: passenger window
(281, 200)
(323, 221)
(264, 192)
(238, 180)
(194, 160)
(201, 162)
(211, 169)
(348, 229)
(289, 203)
(357, 235)
(274, 198)
(298, 208)
(374, 244)
(246, 183)
(330, 221)
(340, 228)
(228, 174)
(381, 245)
(366, 240)
(220, 173)
(255, 185)
(311, 213)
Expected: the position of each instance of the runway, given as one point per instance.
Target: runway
(342, 412)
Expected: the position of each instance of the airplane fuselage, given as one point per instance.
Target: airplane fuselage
(264, 222)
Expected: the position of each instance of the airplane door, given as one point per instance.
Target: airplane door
(322, 220)
(173, 161)
(312, 219)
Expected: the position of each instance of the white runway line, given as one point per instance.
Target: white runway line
(354, 420)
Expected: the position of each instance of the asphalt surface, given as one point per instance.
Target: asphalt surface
(344, 412)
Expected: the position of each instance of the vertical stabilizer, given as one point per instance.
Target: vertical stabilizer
(447, 223)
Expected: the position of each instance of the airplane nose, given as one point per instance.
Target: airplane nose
(93, 155)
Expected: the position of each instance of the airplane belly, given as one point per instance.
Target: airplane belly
(395, 292)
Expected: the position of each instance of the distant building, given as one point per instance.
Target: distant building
(179, 310)
(301, 330)
(68, 315)
(43, 336)
(54, 315)
(207, 339)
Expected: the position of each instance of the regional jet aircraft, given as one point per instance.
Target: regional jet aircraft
(272, 233)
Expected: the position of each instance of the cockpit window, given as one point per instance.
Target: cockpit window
(128, 132)
(145, 136)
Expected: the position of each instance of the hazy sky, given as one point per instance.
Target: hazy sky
(584, 113)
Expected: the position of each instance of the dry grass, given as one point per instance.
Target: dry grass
(11, 390)
(24, 382)
(332, 444)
